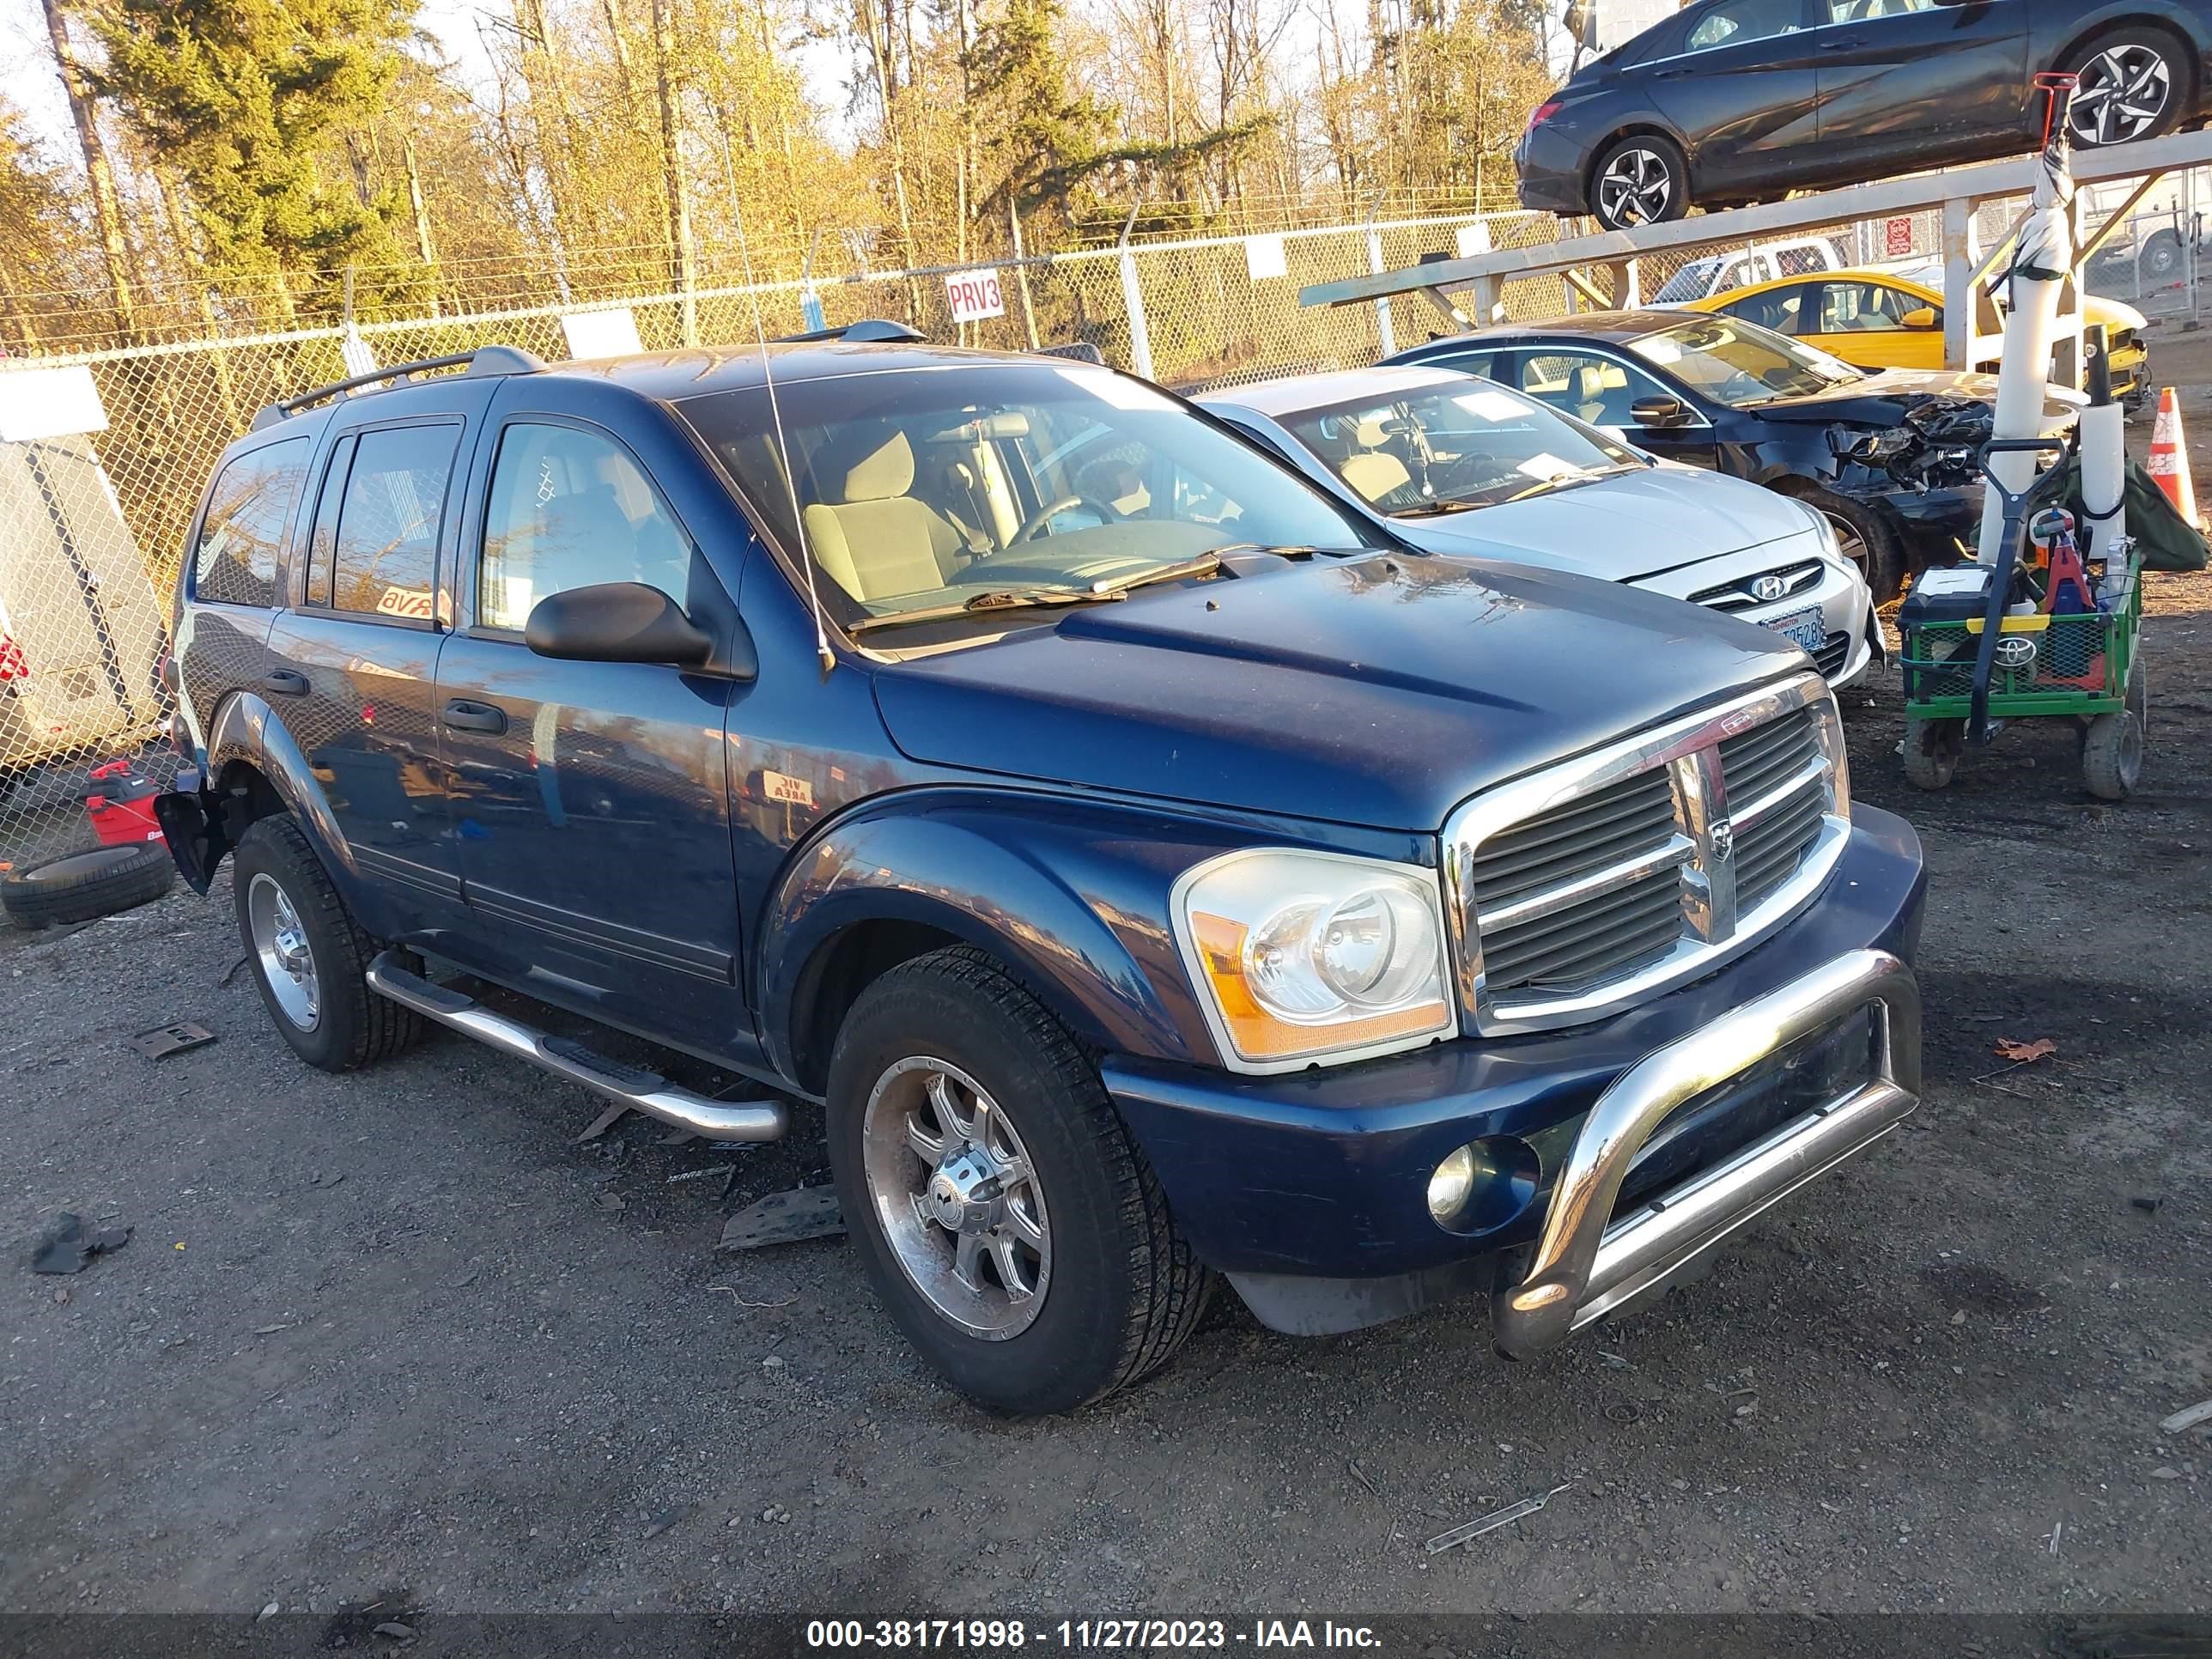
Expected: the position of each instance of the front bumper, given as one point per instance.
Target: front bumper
(1932, 519)
(1309, 1188)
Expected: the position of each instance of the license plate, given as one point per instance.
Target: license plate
(1806, 627)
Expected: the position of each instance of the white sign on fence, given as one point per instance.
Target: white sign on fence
(609, 333)
(974, 295)
(354, 350)
(1473, 240)
(49, 403)
(1264, 257)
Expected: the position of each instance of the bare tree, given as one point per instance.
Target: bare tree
(106, 205)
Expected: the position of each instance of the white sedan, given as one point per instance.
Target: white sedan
(1456, 464)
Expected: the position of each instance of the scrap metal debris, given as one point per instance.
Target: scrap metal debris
(68, 1248)
(2199, 1412)
(1473, 1529)
(604, 1121)
(784, 1218)
(165, 1040)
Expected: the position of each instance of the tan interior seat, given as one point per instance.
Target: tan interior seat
(872, 538)
(1370, 469)
(1589, 393)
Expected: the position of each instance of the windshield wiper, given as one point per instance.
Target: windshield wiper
(1437, 509)
(1026, 599)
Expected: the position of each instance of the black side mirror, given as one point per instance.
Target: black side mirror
(1658, 412)
(616, 621)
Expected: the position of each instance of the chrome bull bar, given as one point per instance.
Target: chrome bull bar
(1589, 1262)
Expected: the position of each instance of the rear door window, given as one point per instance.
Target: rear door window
(385, 556)
(235, 562)
(1742, 22)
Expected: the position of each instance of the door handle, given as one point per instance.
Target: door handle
(285, 683)
(464, 715)
(1850, 43)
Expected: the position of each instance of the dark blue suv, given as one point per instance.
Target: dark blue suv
(1154, 877)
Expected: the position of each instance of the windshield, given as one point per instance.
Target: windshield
(1463, 442)
(1692, 281)
(1741, 364)
(927, 489)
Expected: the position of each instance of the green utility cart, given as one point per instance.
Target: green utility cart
(1960, 686)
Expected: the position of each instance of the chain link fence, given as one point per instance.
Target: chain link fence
(92, 527)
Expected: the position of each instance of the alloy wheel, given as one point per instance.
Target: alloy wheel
(288, 961)
(956, 1197)
(2123, 95)
(1637, 188)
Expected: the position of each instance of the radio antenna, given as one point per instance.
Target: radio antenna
(782, 448)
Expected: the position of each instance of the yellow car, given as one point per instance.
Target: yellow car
(1893, 319)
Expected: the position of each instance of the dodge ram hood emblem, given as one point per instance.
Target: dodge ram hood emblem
(1722, 836)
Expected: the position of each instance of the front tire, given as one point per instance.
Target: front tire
(1642, 179)
(1932, 752)
(1003, 1214)
(308, 955)
(2133, 84)
(1867, 540)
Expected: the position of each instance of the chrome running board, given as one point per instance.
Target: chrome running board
(641, 1090)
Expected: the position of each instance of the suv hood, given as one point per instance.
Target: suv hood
(1884, 400)
(1619, 529)
(1380, 690)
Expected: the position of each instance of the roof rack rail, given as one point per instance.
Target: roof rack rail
(483, 360)
(869, 330)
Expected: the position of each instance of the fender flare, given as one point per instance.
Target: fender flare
(1072, 895)
(247, 729)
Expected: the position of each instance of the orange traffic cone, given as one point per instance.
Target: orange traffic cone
(2169, 458)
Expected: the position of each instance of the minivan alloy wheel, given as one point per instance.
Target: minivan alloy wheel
(1636, 188)
(956, 1197)
(2125, 94)
(288, 962)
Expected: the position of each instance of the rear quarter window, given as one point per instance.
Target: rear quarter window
(235, 561)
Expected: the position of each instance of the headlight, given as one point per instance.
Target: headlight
(1299, 956)
(1824, 534)
(1883, 445)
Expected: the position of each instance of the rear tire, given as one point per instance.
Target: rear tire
(1098, 1287)
(85, 886)
(309, 955)
(2134, 83)
(2112, 745)
(1642, 179)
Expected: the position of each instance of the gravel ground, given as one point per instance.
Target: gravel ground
(396, 1336)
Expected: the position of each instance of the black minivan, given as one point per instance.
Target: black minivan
(1733, 101)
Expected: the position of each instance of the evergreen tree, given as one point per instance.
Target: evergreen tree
(245, 100)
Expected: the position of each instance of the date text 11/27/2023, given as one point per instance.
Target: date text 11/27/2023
(1004, 1635)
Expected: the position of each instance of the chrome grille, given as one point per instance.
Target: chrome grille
(1744, 593)
(1584, 888)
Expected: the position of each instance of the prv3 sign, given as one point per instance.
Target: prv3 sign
(974, 295)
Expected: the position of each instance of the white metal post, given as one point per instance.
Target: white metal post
(1132, 300)
(1386, 336)
(1961, 305)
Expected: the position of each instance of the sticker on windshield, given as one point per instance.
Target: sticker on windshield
(1109, 387)
(1546, 467)
(1489, 405)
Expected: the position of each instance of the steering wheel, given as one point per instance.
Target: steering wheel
(1038, 520)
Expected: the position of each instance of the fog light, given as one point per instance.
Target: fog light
(1449, 1185)
(1484, 1185)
